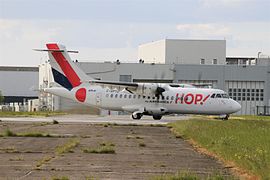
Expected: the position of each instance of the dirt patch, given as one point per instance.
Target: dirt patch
(36, 157)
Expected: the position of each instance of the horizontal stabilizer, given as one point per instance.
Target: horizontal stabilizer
(55, 50)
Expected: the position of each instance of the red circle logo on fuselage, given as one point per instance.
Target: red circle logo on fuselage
(81, 94)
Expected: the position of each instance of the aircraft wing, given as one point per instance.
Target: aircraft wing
(129, 86)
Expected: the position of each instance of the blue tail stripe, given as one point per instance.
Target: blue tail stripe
(61, 79)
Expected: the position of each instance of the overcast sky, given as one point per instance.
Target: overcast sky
(106, 30)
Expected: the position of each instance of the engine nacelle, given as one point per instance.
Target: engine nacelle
(147, 89)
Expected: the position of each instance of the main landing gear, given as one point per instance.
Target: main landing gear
(224, 117)
(138, 116)
(157, 117)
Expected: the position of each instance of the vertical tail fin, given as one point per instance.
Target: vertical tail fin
(65, 71)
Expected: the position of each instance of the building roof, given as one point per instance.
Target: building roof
(18, 68)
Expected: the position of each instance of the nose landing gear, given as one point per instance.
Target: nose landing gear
(136, 116)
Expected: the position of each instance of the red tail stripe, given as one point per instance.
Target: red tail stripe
(65, 66)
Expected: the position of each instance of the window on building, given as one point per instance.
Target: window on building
(111, 95)
(120, 95)
(107, 95)
(129, 96)
(214, 61)
(125, 78)
(134, 96)
(202, 61)
(125, 96)
(116, 95)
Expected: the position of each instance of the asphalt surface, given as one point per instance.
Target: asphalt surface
(74, 118)
(141, 152)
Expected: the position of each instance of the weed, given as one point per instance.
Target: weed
(10, 149)
(60, 178)
(43, 161)
(142, 144)
(104, 148)
(18, 158)
(9, 133)
(178, 175)
(67, 147)
(55, 122)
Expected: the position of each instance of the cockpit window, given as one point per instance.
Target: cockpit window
(220, 96)
(225, 96)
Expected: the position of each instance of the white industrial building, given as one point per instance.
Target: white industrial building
(178, 51)
(18, 85)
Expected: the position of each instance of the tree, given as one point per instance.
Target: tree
(1, 97)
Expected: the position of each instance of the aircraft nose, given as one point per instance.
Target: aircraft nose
(236, 106)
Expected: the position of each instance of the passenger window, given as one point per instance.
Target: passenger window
(172, 98)
(218, 96)
(213, 95)
(167, 98)
(163, 98)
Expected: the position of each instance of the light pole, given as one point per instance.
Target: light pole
(258, 57)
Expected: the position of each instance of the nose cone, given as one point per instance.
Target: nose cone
(236, 106)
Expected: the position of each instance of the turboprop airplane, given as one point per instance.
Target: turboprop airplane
(154, 99)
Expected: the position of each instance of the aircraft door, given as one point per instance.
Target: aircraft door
(98, 99)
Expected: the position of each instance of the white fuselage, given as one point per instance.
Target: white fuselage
(175, 100)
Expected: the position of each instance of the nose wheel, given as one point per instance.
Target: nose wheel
(136, 116)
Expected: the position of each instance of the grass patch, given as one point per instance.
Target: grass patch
(43, 161)
(142, 144)
(104, 148)
(186, 175)
(67, 147)
(10, 149)
(18, 158)
(60, 178)
(30, 114)
(244, 140)
(9, 133)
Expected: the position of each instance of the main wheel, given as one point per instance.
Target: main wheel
(136, 116)
(157, 117)
(226, 117)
